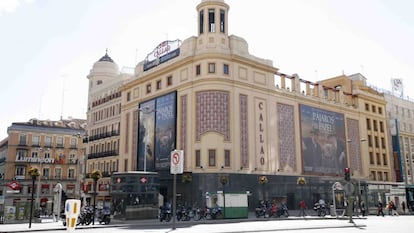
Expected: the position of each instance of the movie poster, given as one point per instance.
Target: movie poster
(165, 130)
(146, 136)
(323, 141)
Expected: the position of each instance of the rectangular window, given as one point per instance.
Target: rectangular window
(71, 173)
(369, 141)
(373, 175)
(58, 173)
(45, 173)
(35, 141)
(169, 81)
(21, 154)
(20, 171)
(73, 142)
(378, 159)
(201, 22)
(59, 142)
(226, 69)
(198, 70)
(380, 110)
(384, 159)
(148, 88)
(227, 158)
(371, 158)
(383, 143)
(368, 124)
(126, 165)
(159, 85)
(128, 96)
(379, 174)
(374, 123)
(366, 107)
(374, 109)
(211, 67)
(22, 140)
(376, 141)
(211, 158)
(212, 26)
(385, 176)
(222, 22)
(34, 154)
(381, 126)
(197, 158)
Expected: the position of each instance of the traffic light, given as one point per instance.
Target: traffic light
(347, 174)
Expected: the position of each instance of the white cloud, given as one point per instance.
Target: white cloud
(10, 6)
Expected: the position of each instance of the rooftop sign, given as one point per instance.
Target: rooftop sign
(163, 52)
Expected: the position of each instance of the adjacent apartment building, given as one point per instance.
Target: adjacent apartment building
(56, 149)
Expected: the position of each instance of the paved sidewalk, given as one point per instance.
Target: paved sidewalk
(50, 225)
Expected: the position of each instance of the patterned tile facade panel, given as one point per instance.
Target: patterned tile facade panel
(287, 152)
(183, 128)
(244, 158)
(354, 144)
(212, 113)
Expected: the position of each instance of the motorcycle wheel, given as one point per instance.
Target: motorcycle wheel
(197, 217)
(286, 214)
(167, 218)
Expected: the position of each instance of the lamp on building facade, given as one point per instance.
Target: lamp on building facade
(33, 173)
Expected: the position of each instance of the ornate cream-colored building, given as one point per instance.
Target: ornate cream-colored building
(239, 121)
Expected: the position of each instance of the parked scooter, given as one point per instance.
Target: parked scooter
(320, 209)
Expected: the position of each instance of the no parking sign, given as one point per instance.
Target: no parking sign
(177, 162)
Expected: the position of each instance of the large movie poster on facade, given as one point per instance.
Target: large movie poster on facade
(157, 132)
(146, 135)
(165, 130)
(323, 141)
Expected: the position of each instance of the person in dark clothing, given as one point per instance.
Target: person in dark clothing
(380, 209)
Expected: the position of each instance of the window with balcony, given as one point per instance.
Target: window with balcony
(21, 154)
(45, 173)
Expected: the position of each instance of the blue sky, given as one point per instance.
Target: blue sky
(49, 46)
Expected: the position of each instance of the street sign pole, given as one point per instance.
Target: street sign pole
(176, 167)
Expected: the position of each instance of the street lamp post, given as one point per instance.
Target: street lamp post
(33, 173)
(95, 175)
(359, 168)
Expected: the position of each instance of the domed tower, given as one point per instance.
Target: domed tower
(212, 25)
(103, 71)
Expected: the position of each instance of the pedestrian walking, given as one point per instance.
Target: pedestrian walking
(403, 206)
(302, 207)
(379, 206)
(362, 207)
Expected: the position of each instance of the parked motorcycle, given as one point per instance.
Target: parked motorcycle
(104, 215)
(215, 213)
(262, 211)
(320, 209)
(199, 214)
(165, 213)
